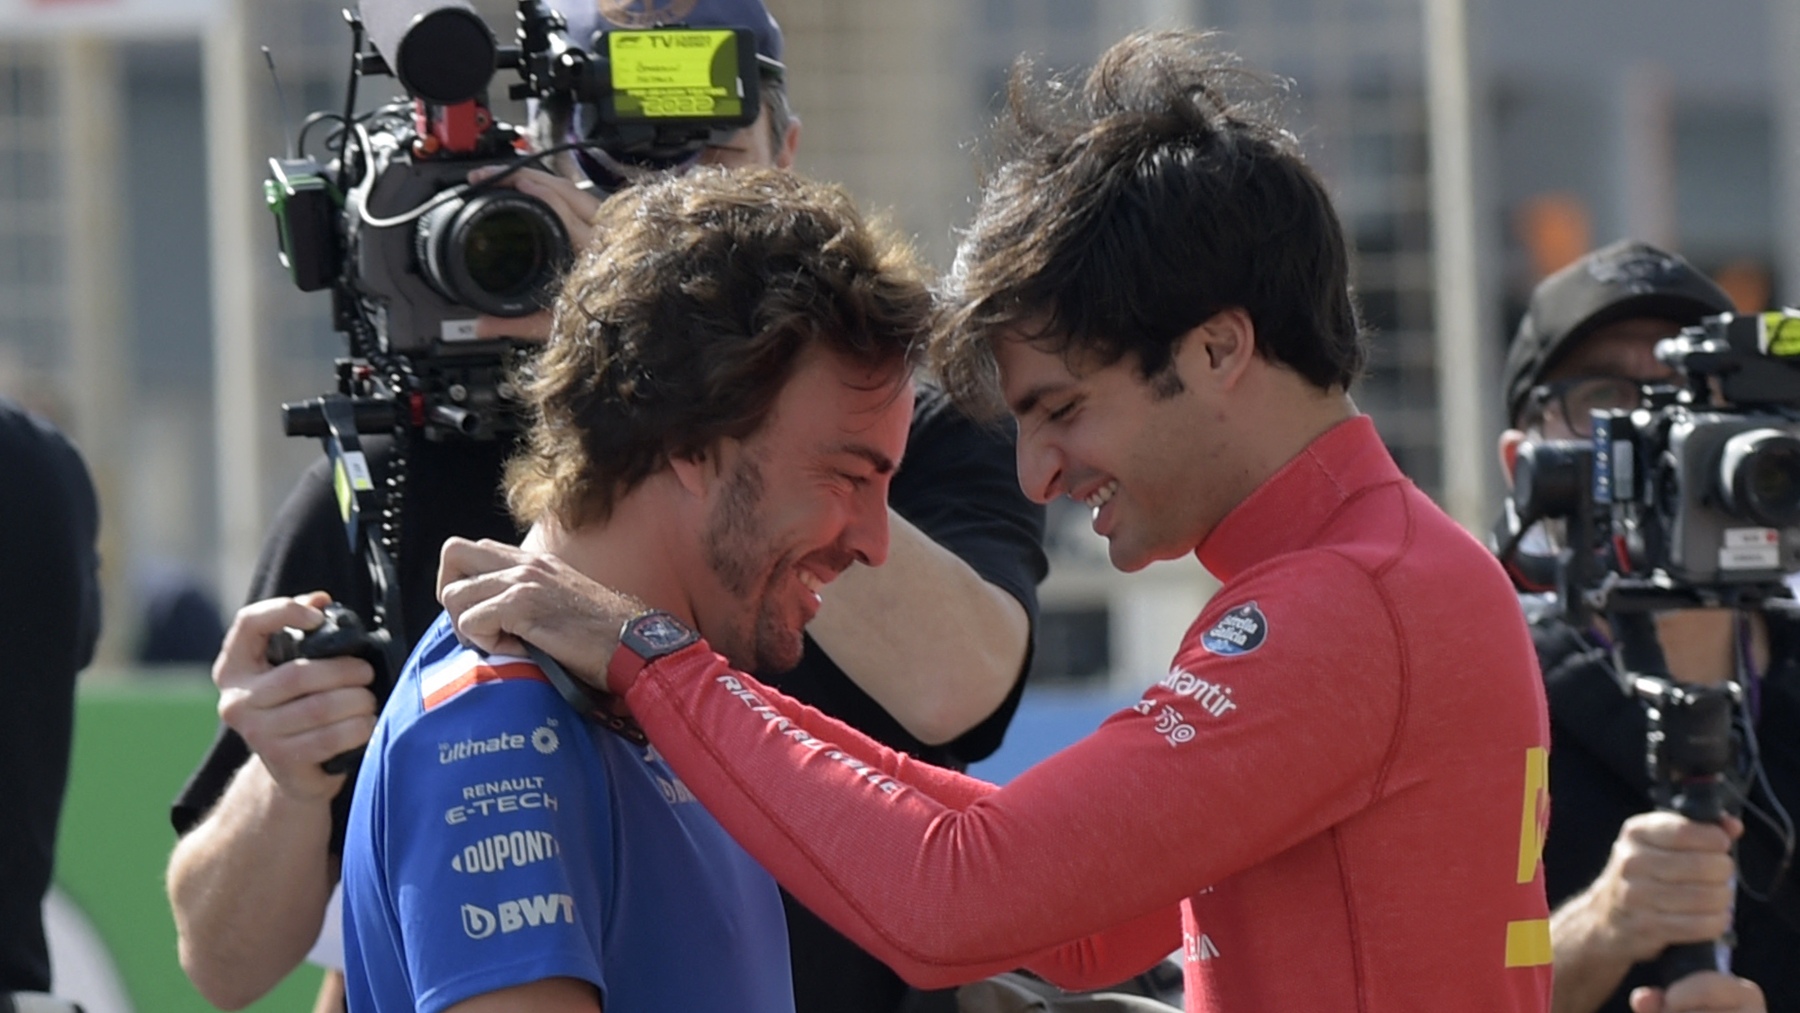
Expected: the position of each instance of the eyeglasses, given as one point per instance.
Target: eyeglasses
(1577, 397)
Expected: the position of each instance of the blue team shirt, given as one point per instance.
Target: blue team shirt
(497, 839)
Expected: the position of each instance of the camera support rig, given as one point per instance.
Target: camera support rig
(1689, 741)
(1691, 500)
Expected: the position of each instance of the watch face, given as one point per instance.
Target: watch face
(659, 633)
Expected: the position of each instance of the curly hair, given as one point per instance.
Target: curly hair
(681, 324)
(1125, 214)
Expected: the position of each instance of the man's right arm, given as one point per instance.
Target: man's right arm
(1668, 880)
(820, 817)
(249, 884)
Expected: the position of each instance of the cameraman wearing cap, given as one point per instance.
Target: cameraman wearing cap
(1627, 882)
(262, 825)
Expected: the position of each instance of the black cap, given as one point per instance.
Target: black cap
(1618, 282)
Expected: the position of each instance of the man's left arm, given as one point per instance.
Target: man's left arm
(937, 686)
(965, 556)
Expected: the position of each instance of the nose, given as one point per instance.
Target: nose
(1040, 469)
(866, 536)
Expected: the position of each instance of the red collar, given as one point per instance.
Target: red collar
(1286, 512)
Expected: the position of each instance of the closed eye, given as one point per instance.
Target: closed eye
(1061, 413)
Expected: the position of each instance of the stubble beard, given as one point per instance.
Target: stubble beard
(738, 551)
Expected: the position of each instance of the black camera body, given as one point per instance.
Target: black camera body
(1716, 484)
(494, 251)
(1692, 498)
(1703, 485)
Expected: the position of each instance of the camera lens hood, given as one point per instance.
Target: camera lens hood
(441, 51)
(1547, 481)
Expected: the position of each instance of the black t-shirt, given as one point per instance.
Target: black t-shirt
(49, 621)
(1599, 779)
(956, 483)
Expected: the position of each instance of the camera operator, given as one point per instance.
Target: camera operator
(262, 825)
(1627, 882)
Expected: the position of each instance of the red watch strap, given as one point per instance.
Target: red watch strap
(622, 669)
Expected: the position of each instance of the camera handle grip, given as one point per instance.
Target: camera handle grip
(1682, 959)
(1688, 752)
(1703, 801)
(341, 634)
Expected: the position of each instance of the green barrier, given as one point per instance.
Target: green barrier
(135, 743)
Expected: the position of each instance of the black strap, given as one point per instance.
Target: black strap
(595, 705)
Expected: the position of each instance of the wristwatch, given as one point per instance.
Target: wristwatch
(644, 638)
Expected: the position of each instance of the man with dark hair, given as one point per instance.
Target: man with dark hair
(714, 424)
(1335, 799)
(1626, 882)
(262, 825)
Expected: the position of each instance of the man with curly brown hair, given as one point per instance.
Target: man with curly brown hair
(714, 423)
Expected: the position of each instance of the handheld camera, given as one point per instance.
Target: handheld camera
(1691, 498)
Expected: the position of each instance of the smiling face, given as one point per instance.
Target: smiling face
(1147, 456)
(793, 505)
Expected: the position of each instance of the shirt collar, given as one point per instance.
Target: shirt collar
(1286, 512)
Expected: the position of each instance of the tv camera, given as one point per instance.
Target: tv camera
(1689, 499)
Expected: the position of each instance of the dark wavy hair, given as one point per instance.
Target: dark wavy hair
(682, 323)
(1126, 213)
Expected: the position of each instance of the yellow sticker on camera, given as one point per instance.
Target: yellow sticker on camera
(1778, 334)
(349, 476)
(675, 74)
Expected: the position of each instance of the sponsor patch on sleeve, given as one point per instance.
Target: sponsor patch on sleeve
(1239, 631)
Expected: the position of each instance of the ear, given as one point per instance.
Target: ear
(697, 473)
(790, 145)
(1509, 453)
(1223, 346)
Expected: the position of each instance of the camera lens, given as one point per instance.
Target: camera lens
(505, 252)
(1547, 482)
(499, 252)
(1759, 474)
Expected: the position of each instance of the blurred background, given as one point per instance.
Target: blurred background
(1473, 146)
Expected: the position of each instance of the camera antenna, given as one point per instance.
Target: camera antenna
(287, 125)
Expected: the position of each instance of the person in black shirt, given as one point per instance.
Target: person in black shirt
(49, 622)
(1625, 882)
(965, 559)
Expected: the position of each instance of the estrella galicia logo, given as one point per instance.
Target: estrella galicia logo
(1239, 631)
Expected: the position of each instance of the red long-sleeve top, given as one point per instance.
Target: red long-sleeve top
(1334, 801)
